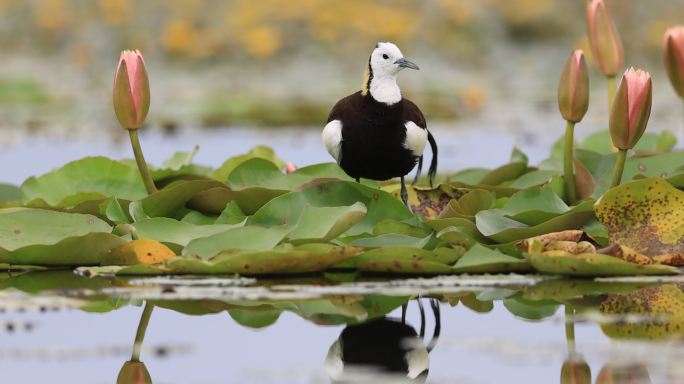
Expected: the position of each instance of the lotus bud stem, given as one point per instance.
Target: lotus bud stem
(142, 328)
(573, 102)
(131, 103)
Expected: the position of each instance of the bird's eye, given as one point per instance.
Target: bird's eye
(384, 56)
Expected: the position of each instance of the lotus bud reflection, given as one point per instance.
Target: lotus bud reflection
(674, 58)
(623, 374)
(134, 372)
(131, 90)
(573, 88)
(575, 371)
(604, 39)
(631, 108)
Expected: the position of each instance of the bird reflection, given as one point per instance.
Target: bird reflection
(386, 350)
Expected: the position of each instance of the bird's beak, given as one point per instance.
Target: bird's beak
(403, 63)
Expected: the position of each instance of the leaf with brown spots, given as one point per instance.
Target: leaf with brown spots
(645, 215)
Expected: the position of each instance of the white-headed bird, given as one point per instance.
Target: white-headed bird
(375, 133)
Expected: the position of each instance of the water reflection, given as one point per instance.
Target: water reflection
(385, 350)
(386, 330)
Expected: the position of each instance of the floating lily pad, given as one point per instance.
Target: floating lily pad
(86, 179)
(168, 201)
(496, 224)
(177, 232)
(405, 259)
(589, 264)
(21, 227)
(10, 192)
(322, 224)
(645, 215)
(180, 163)
(252, 238)
(261, 152)
(288, 208)
(480, 259)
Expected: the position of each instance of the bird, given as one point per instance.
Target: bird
(376, 133)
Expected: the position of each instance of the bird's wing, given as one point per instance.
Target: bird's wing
(412, 113)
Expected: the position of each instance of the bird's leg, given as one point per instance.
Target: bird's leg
(438, 324)
(358, 179)
(404, 193)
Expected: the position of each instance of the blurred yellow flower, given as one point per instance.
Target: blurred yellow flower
(115, 12)
(52, 14)
(178, 36)
(261, 41)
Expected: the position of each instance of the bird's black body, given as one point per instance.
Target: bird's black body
(373, 136)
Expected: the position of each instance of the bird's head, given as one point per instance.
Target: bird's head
(387, 60)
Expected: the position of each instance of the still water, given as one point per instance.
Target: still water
(63, 328)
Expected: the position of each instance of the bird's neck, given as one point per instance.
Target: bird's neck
(385, 89)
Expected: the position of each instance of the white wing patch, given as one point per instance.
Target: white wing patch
(332, 139)
(416, 138)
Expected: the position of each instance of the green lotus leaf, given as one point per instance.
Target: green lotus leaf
(177, 232)
(255, 319)
(248, 200)
(83, 179)
(232, 214)
(283, 259)
(401, 228)
(327, 171)
(180, 163)
(531, 309)
(461, 236)
(496, 225)
(322, 224)
(391, 239)
(288, 207)
(533, 179)
(590, 264)
(170, 200)
(87, 249)
(405, 259)
(261, 152)
(480, 259)
(9, 192)
(251, 238)
(645, 215)
(263, 173)
(468, 205)
(507, 172)
(198, 218)
(20, 227)
(534, 206)
(470, 176)
(441, 224)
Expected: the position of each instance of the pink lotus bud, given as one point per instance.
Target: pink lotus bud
(131, 90)
(290, 167)
(631, 108)
(674, 57)
(604, 39)
(573, 88)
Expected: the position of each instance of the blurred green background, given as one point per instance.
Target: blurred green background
(269, 63)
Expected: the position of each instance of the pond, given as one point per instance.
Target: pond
(60, 326)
